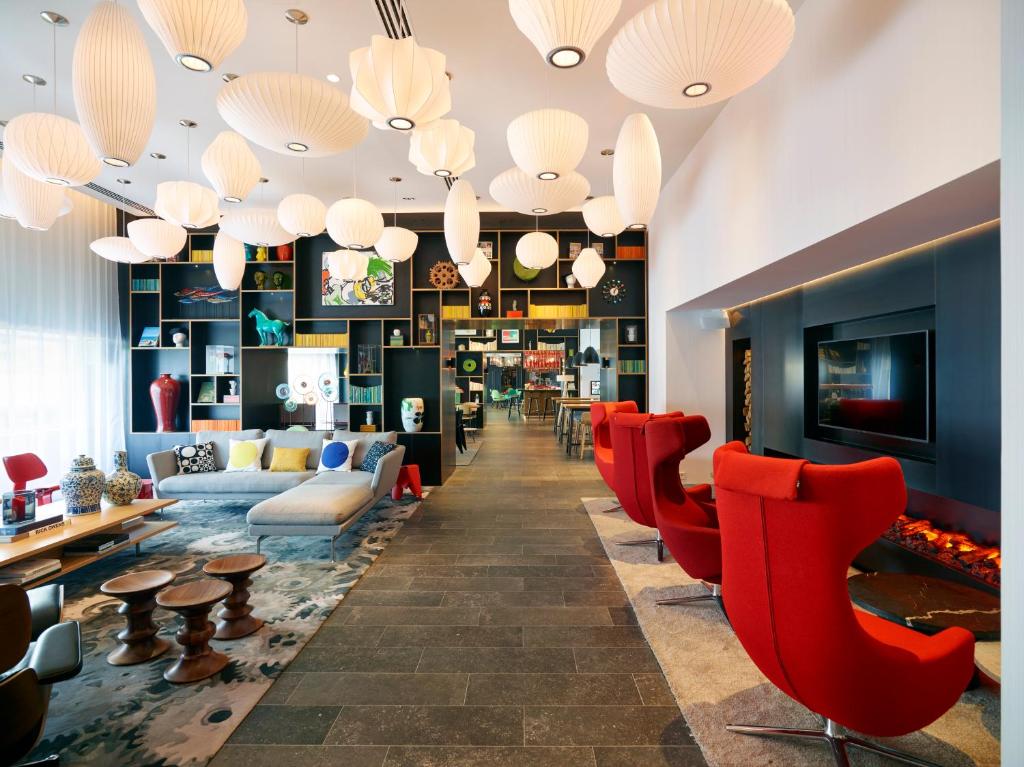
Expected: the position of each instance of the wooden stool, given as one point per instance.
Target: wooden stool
(139, 641)
(236, 620)
(586, 434)
(408, 477)
(192, 601)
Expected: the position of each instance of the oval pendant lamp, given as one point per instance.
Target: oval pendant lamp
(302, 214)
(186, 204)
(475, 273)
(35, 204)
(114, 85)
(547, 143)
(347, 265)
(398, 84)
(461, 222)
(537, 250)
(228, 261)
(198, 34)
(588, 268)
(230, 166)
(601, 215)
(354, 223)
(118, 249)
(442, 148)
(636, 171)
(680, 54)
(255, 226)
(563, 31)
(524, 193)
(157, 238)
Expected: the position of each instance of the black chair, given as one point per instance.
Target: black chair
(36, 651)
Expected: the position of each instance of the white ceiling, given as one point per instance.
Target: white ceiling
(497, 75)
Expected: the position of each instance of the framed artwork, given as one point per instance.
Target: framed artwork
(207, 393)
(510, 336)
(376, 289)
(426, 328)
(575, 248)
(599, 247)
(150, 337)
(595, 388)
(487, 247)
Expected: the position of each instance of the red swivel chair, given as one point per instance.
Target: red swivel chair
(26, 467)
(789, 532)
(600, 421)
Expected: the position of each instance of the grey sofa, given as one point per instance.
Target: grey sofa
(289, 503)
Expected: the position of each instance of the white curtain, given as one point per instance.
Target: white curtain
(62, 358)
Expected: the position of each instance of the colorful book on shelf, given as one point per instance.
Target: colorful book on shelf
(455, 312)
(558, 311)
(150, 337)
(632, 366)
(321, 340)
(28, 570)
(139, 284)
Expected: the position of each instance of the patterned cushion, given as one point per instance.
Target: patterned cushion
(374, 453)
(195, 459)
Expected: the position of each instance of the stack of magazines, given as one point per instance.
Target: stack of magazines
(28, 570)
(43, 523)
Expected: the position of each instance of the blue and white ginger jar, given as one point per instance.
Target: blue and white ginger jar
(82, 487)
(122, 486)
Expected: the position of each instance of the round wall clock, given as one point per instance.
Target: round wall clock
(613, 291)
(444, 275)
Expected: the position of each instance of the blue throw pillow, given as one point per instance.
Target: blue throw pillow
(374, 453)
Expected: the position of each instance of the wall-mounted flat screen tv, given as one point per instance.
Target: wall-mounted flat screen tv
(877, 384)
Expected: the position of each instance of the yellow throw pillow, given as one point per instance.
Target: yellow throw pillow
(245, 455)
(289, 459)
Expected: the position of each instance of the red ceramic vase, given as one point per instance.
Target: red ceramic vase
(283, 253)
(164, 392)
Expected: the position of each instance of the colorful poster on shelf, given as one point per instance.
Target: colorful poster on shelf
(376, 289)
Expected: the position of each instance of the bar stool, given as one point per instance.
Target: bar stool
(531, 404)
(548, 406)
(236, 620)
(192, 601)
(586, 432)
(138, 640)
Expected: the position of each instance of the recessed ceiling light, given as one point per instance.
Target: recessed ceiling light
(52, 17)
(565, 57)
(264, 180)
(186, 123)
(3, 123)
(548, 175)
(228, 77)
(607, 152)
(693, 90)
(124, 181)
(401, 123)
(33, 79)
(333, 78)
(297, 146)
(158, 155)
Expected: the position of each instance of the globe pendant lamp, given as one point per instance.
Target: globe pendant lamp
(228, 261)
(198, 34)
(442, 148)
(601, 215)
(114, 85)
(588, 268)
(476, 271)
(398, 84)
(347, 265)
(563, 31)
(157, 238)
(461, 222)
(680, 54)
(35, 204)
(119, 249)
(255, 226)
(186, 204)
(636, 171)
(537, 250)
(547, 143)
(303, 215)
(527, 194)
(230, 166)
(354, 223)
(396, 243)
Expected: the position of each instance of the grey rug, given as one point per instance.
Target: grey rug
(472, 448)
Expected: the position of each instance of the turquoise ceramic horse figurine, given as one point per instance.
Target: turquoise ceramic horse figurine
(271, 332)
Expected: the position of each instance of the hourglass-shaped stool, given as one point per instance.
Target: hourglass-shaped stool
(235, 618)
(138, 640)
(192, 601)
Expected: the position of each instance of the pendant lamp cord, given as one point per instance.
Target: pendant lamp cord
(396, 203)
(188, 157)
(54, 52)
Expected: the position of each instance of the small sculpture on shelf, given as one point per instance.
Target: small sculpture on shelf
(271, 332)
(484, 304)
(260, 278)
(233, 388)
(279, 281)
(122, 486)
(82, 487)
(412, 413)
(179, 337)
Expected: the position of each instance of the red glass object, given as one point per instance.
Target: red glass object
(283, 252)
(165, 392)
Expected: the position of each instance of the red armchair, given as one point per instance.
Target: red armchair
(26, 467)
(789, 531)
(630, 473)
(600, 421)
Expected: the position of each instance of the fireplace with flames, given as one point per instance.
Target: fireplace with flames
(957, 551)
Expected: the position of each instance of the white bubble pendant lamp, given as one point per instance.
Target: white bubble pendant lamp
(601, 215)
(681, 54)
(461, 222)
(396, 243)
(230, 166)
(398, 84)
(521, 192)
(157, 238)
(477, 270)
(50, 148)
(198, 34)
(636, 171)
(255, 226)
(563, 31)
(547, 143)
(302, 214)
(35, 204)
(118, 249)
(114, 85)
(442, 148)
(537, 250)
(186, 204)
(588, 268)
(347, 265)
(354, 223)
(228, 261)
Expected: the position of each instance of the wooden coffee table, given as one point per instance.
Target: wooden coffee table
(236, 619)
(139, 641)
(192, 601)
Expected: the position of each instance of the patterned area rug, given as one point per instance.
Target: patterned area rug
(129, 715)
(472, 448)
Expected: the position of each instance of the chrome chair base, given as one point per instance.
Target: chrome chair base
(837, 742)
(613, 509)
(644, 542)
(714, 594)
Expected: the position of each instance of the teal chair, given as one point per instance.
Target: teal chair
(497, 398)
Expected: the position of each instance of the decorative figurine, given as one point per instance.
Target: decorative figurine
(484, 304)
(179, 337)
(232, 387)
(412, 413)
(82, 487)
(277, 281)
(260, 278)
(122, 486)
(369, 418)
(570, 280)
(271, 332)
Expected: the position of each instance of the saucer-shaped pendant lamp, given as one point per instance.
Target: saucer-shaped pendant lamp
(198, 34)
(291, 114)
(114, 85)
(119, 249)
(461, 222)
(228, 261)
(477, 270)
(230, 166)
(157, 238)
(398, 84)
(347, 265)
(636, 171)
(680, 54)
(35, 204)
(256, 226)
(563, 31)
(547, 143)
(186, 204)
(442, 148)
(524, 193)
(354, 223)
(588, 268)
(601, 216)
(50, 148)
(537, 250)
(396, 244)
(302, 214)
